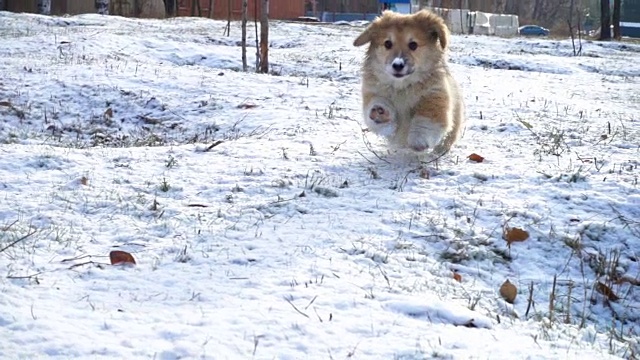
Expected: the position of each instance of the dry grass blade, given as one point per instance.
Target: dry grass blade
(296, 308)
(530, 302)
(7, 227)
(17, 241)
(552, 299)
(311, 302)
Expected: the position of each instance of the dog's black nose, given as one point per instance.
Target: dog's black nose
(397, 66)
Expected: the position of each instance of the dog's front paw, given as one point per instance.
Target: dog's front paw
(418, 144)
(379, 115)
(424, 135)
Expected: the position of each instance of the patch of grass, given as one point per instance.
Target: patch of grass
(171, 162)
(164, 185)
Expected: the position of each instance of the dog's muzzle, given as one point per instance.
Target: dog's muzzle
(399, 68)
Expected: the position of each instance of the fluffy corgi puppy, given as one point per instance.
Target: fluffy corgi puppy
(408, 93)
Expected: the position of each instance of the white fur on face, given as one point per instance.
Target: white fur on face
(398, 67)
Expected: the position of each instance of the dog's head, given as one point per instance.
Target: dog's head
(401, 45)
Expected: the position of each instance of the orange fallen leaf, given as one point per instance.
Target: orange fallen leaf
(120, 257)
(514, 235)
(457, 277)
(475, 157)
(508, 291)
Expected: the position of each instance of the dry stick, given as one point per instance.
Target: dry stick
(198, 205)
(25, 276)
(17, 241)
(296, 309)
(530, 300)
(76, 258)
(86, 263)
(215, 143)
(552, 298)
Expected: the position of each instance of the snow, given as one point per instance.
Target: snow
(266, 224)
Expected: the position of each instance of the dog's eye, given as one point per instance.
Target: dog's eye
(388, 44)
(413, 45)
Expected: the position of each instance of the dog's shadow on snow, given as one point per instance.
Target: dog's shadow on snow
(383, 161)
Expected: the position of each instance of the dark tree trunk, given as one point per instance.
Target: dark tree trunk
(102, 7)
(264, 37)
(44, 7)
(605, 20)
(170, 7)
(616, 19)
(227, 28)
(245, 5)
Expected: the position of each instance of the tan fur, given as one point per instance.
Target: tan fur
(420, 106)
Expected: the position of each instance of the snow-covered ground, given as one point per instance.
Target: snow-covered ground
(266, 224)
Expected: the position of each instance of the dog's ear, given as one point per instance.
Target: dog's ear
(441, 32)
(434, 26)
(365, 37)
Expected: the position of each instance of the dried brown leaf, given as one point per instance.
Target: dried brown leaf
(108, 113)
(120, 257)
(514, 235)
(475, 157)
(508, 291)
(606, 291)
(457, 277)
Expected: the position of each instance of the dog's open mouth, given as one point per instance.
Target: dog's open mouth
(400, 75)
